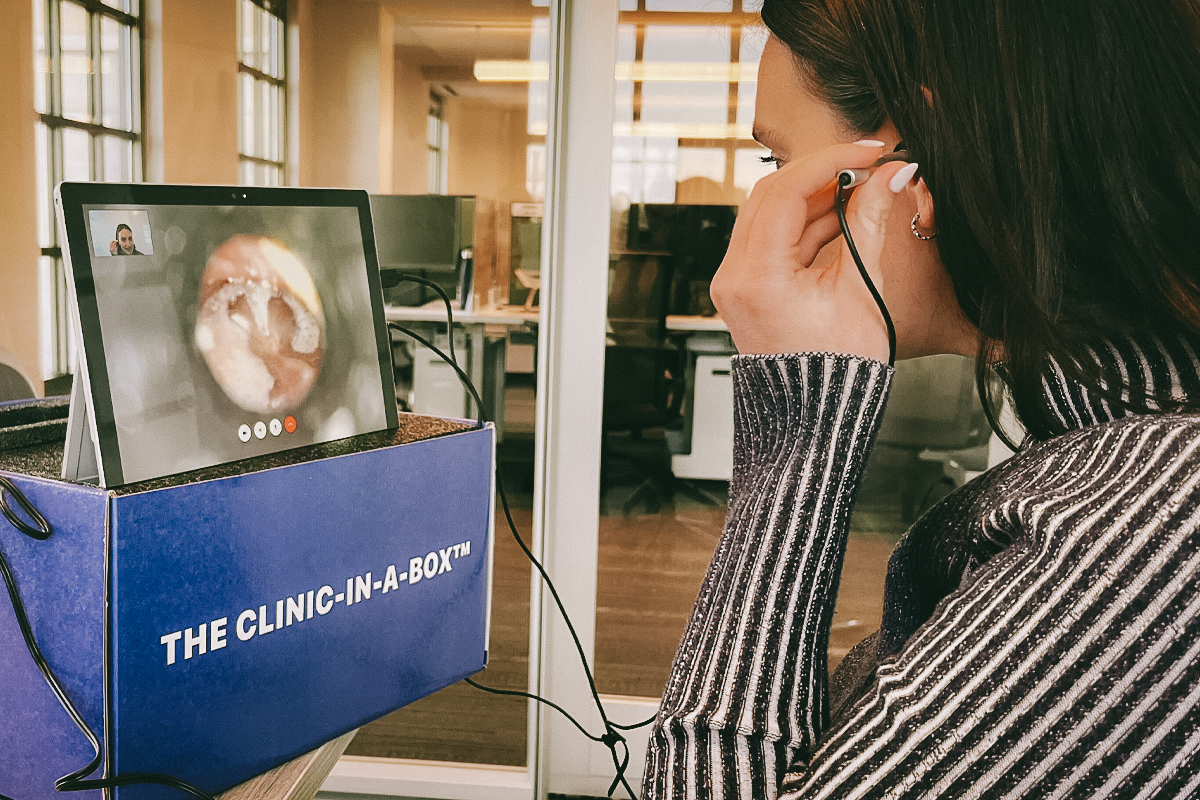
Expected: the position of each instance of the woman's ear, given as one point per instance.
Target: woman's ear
(926, 221)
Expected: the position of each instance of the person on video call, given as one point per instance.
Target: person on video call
(123, 245)
(1041, 624)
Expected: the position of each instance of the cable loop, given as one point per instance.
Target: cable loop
(42, 531)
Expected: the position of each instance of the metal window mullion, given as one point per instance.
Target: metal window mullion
(133, 50)
(262, 115)
(95, 95)
(98, 130)
(256, 15)
(95, 7)
(266, 162)
(241, 112)
(54, 53)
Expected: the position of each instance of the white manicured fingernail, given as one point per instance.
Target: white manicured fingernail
(870, 143)
(901, 178)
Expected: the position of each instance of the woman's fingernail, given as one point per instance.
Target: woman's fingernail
(870, 143)
(901, 178)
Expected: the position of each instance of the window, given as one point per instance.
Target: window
(88, 97)
(262, 92)
(437, 136)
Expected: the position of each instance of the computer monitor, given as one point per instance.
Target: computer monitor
(219, 323)
(695, 236)
(431, 236)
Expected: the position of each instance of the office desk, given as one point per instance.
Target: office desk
(703, 450)
(485, 333)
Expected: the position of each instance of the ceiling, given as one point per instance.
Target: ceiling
(444, 38)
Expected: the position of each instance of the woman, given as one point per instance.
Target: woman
(1041, 628)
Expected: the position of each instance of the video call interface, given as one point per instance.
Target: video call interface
(232, 332)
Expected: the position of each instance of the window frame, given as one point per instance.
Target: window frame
(58, 347)
(263, 81)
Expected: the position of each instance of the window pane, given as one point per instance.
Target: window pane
(118, 159)
(77, 155)
(45, 206)
(708, 44)
(41, 64)
(689, 5)
(704, 163)
(246, 173)
(264, 40)
(280, 47)
(274, 46)
(265, 121)
(248, 116)
(76, 65)
(278, 122)
(246, 33)
(115, 75)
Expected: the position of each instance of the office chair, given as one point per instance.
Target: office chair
(14, 382)
(644, 380)
(934, 416)
(643, 389)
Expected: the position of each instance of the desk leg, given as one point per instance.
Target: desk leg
(495, 365)
(476, 366)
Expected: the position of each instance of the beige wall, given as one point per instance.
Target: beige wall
(410, 172)
(199, 80)
(300, 19)
(18, 190)
(351, 90)
(486, 150)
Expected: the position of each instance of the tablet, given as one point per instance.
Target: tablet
(217, 324)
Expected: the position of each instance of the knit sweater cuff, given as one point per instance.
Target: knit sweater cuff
(780, 400)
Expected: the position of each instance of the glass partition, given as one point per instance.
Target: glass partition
(470, 147)
(683, 163)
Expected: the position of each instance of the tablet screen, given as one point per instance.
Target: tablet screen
(218, 332)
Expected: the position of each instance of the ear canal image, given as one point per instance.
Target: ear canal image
(260, 326)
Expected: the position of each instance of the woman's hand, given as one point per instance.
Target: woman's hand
(780, 290)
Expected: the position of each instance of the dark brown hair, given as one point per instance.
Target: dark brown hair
(1059, 141)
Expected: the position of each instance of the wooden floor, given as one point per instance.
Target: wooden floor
(650, 568)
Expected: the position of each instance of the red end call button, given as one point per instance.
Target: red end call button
(289, 423)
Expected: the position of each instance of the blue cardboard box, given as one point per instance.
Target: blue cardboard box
(214, 629)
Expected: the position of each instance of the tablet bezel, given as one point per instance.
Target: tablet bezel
(70, 200)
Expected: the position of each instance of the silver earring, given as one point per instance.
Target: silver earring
(916, 232)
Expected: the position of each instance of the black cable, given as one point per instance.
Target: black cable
(542, 700)
(76, 781)
(611, 737)
(462, 376)
(405, 276)
(839, 203)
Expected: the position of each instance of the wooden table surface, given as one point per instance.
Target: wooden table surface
(298, 779)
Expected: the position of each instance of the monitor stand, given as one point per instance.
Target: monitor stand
(79, 458)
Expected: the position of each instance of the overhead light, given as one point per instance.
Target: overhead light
(668, 130)
(511, 71)
(494, 71)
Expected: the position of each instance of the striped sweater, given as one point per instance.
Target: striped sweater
(1041, 625)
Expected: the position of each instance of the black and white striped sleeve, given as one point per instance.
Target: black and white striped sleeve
(747, 691)
(1067, 664)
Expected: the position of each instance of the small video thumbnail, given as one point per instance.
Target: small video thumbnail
(120, 232)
